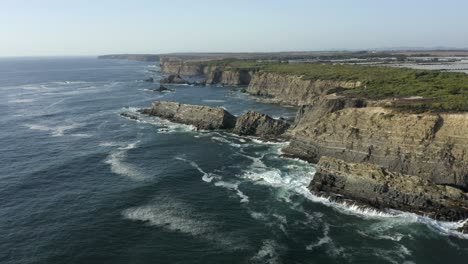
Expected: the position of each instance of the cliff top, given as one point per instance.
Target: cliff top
(419, 90)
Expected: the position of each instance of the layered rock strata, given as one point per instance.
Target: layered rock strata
(202, 117)
(431, 146)
(376, 186)
(260, 125)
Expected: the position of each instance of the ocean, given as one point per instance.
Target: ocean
(81, 184)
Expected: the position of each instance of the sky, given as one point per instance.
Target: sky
(95, 27)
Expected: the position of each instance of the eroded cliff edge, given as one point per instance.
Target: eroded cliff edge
(426, 150)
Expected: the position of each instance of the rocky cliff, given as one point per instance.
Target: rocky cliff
(292, 89)
(260, 125)
(376, 186)
(431, 146)
(186, 68)
(228, 77)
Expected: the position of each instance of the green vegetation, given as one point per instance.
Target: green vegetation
(435, 90)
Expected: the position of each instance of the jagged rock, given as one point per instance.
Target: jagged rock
(149, 80)
(464, 228)
(161, 88)
(376, 186)
(260, 125)
(200, 83)
(174, 79)
(130, 116)
(202, 117)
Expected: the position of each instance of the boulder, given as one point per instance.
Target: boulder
(260, 125)
(161, 89)
(129, 116)
(149, 80)
(202, 117)
(375, 186)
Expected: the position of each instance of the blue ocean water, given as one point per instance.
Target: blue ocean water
(81, 184)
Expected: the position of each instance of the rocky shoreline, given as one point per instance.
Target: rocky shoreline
(216, 118)
(365, 152)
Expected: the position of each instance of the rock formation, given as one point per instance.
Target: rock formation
(174, 79)
(228, 77)
(129, 116)
(185, 68)
(430, 146)
(149, 80)
(202, 117)
(375, 155)
(260, 125)
(376, 186)
(161, 88)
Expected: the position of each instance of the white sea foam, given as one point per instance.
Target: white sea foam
(234, 186)
(327, 242)
(166, 126)
(55, 131)
(268, 253)
(116, 160)
(110, 144)
(213, 101)
(81, 135)
(176, 216)
(227, 141)
(21, 101)
(209, 177)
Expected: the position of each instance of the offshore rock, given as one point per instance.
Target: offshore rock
(129, 116)
(202, 117)
(260, 125)
(149, 80)
(161, 88)
(373, 185)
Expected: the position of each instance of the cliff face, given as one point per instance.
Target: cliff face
(429, 146)
(293, 90)
(228, 77)
(260, 125)
(376, 186)
(203, 117)
(186, 68)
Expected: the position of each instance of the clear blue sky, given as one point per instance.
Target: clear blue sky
(92, 27)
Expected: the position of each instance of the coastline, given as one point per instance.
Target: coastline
(318, 105)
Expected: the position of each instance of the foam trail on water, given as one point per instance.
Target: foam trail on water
(235, 187)
(268, 253)
(116, 160)
(175, 216)
(55, 131)
(209, 177)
